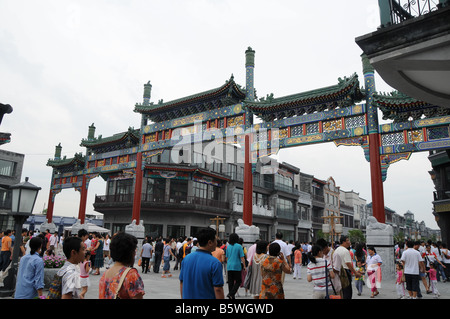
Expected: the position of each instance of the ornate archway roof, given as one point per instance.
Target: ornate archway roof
(68, 164)
(346, 92)
(127, 139)
(228, 94)
(400, 107)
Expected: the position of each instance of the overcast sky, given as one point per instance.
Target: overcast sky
(67, 64)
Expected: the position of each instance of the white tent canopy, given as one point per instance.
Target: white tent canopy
(92, 228)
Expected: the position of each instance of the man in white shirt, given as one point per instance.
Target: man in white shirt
(422, 249)
(53, 241)
(283, 246)
(284, 249)
(347, 266)
(412, 263)
(291, 254)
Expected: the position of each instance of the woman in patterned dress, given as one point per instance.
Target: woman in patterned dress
(271, 270)
(123, 252)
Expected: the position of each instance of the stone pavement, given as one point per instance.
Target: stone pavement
(157, 287)
(169, 288)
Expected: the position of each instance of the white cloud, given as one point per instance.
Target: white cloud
(67, 64)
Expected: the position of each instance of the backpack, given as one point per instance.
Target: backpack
(55, 289)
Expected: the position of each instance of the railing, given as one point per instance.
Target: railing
(287, 214)
(150, 198)
(397, 11)
(441, 195)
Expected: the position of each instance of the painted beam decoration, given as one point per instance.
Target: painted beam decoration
(335, 114)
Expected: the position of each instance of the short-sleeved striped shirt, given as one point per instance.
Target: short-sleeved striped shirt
(317, 272)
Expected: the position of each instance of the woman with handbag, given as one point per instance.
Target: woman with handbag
(254, 277)
(122, 281)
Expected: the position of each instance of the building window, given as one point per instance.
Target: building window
(232, 171)
(287, 234)
(260, 199)
(200, 190)
(214, 192)
(154, 230)
(240, 174)
(217, 166)
(156, 189)
(283, 181)
(178, 191)
(7, 168)
(239, 196)
(303, 213)
(175, 231)
(256, 179)
(124, 186)
(165, 156)
(285, 208)
(110, 190)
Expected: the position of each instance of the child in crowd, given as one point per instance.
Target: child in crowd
(399, 283)
(50, 252)
(433, 280)
(359, 281)
(108, 261)
(297, 262)
(85, 266)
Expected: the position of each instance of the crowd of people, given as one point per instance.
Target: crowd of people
(208, 264)
(420, 262)
(261, 269)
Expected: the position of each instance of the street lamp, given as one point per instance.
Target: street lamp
(23, 199)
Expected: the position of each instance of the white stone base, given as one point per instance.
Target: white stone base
(381, 237)
(248, 233)
(137, 231)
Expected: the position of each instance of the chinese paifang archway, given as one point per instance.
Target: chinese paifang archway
(344, 113)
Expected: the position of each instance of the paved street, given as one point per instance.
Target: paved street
(157, 287)
(169, 288)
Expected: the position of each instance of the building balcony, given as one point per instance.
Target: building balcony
(411, 49)
(149, 200)
(257, 210)
(441, 201)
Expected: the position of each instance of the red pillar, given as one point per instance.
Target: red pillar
(83, 199)
(376, 179)
(136, 214)
(248, 185)
(374, 143)
(49, 216)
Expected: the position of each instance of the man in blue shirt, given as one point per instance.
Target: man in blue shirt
(201, 273)
(30, 277)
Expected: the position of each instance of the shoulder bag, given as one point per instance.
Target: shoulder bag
(328, 296)
(122, 278)
(248, 276)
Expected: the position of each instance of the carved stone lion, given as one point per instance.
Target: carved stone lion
(374, 225)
